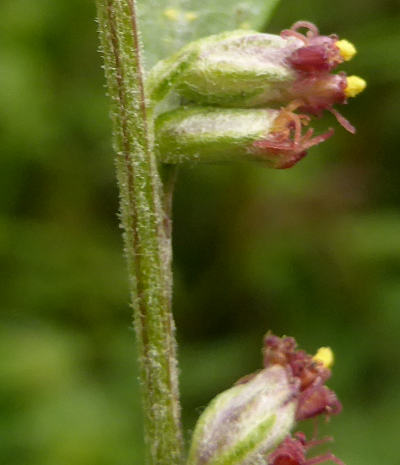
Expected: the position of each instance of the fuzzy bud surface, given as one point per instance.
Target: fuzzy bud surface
(245, 423)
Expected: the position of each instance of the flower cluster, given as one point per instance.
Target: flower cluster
(252, 422)
(307, 373)
(315, 88)
(290, 75)
(285, 144)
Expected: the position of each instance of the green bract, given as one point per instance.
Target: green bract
(244, 424)
(210, 134)
(238, 68)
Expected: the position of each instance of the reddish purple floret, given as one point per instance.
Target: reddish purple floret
(309, 375)
(319, 54)
(315, 94)
(285, 145)
(293, 450)
(310, 58)
(315, 88)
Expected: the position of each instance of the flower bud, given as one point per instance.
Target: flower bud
(208, 134)
(244, 424)
(252, 69)
(251, 423)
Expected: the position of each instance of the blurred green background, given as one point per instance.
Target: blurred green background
(313, 252)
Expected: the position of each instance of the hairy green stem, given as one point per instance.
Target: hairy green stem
(146, 240)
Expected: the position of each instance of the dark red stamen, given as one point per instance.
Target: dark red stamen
(292, 451)
(343, 121)
(287, 141)
(309, 377)
(312, 28)
(289, 33)
(317, 400)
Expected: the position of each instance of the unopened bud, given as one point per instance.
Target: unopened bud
(244, 424)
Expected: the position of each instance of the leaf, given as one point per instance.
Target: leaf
(167, 25)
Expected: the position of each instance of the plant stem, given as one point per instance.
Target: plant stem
(146, 241)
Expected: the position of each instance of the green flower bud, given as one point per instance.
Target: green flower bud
(209, 134)
(244, 424)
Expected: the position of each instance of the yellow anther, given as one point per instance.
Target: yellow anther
(347, 49)
(172, 14)
(354, 86)
(191, 16)
(325, 356)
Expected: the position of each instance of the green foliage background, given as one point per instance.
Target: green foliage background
(313, 252)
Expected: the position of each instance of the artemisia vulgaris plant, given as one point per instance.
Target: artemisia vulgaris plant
(237, 95)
